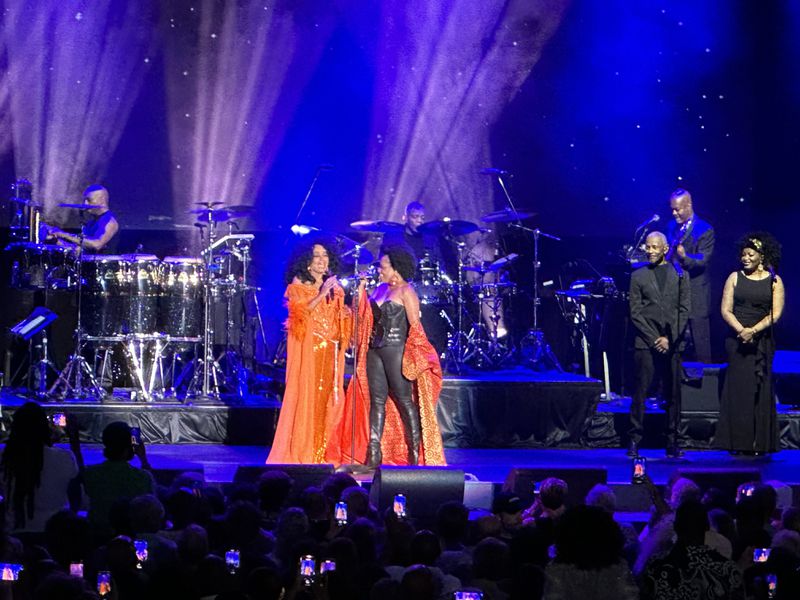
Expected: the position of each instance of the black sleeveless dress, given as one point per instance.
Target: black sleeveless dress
(748, 420)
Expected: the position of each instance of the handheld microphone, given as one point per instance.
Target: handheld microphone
(655, 218)
(332, 291)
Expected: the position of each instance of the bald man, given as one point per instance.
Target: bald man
(691, 244)
(98, 231)
(659, 304)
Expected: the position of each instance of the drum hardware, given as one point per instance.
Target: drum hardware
(536, 349)
(70, 381)
(23, 213)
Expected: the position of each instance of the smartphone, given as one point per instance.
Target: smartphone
(232, 560)
(141, 551)
(464, 595)
(136, 436)
(341, 513)
(746, 490)
(399, 506)
(772, 586)
(104, 583)
(308, 569)
(760, 554)
(10, 571)
(59, 419)
(76, 569)
(639, 469)
(327, 565)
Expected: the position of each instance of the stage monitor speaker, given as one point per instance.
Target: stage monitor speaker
(425, 489)
(725, 479)
(303, 476)
(701, 387)
(580, 480)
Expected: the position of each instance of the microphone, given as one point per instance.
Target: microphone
(493, 171)
(325, 167)
(655, 218)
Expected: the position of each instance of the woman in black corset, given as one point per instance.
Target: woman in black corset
(395, 308)
(752, 303)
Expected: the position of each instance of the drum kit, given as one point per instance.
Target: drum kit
(147, 322)
(471, 308)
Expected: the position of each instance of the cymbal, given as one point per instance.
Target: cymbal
(377, 226)
(209, 204)
(77, 206)
(504, 261)
(25, 202)
(241, 208)
(507, 215)
(448, 226)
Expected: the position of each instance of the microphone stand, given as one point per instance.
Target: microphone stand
(542, 355)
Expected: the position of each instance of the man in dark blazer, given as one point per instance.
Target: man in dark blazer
(659, 303)
(691, 244)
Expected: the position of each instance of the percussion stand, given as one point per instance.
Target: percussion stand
(206, 368)
(541, 354)
(70, 381)
(456, 351)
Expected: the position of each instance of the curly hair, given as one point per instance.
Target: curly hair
(765, 244)
(402, 261)
(23, 458)
(302, 256)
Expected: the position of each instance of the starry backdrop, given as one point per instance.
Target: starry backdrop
(597, 110)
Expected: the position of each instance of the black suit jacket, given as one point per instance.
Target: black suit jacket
(699, 246)
(656, 313)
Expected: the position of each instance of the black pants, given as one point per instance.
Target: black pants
(385, 376)
(649, 363)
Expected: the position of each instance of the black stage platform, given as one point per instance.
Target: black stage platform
(513, 408)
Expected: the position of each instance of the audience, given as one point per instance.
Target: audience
(697, 543)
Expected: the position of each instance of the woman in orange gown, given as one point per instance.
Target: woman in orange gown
(318, 330)
(392, 398)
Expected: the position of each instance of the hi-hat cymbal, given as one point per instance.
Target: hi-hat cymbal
(377, 226)
(210, 203)
(507, 215)
(448, 226)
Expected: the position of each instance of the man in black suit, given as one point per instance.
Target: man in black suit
(659, 304)
(691, 244)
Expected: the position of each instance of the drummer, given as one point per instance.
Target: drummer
(98, 232)
(421, 245)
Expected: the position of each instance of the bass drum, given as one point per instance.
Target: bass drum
(103, 295)
(181, 310)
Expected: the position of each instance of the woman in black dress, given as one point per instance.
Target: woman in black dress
(752, 303)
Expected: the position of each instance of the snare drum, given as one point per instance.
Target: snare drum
(181, 311)
(104, 294)
(35, 266)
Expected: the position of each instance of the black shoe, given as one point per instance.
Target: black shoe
(633, 449)
(674, 452)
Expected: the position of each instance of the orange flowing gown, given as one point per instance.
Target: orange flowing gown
(316, 343)
(421, 366)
